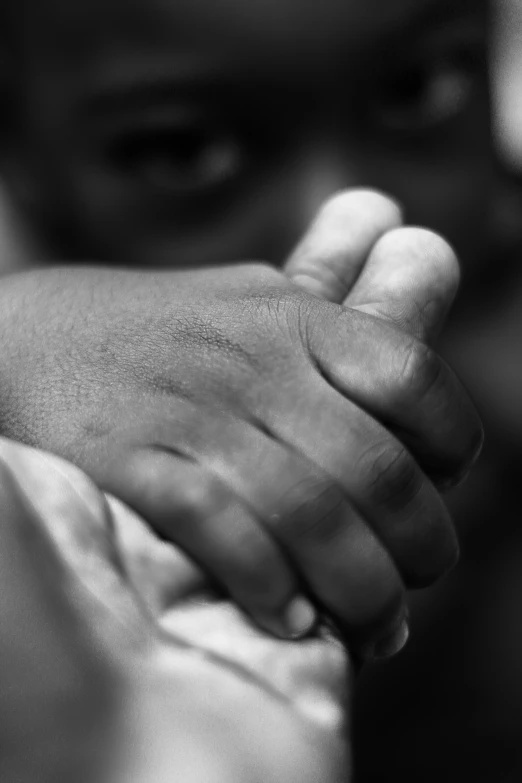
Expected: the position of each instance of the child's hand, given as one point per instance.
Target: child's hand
(358, 254)
(237, 413)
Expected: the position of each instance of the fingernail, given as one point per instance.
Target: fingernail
(299, 617)
(393, 643)
(296, 621)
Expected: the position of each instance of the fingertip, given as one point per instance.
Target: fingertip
(300, 617)
(440, 256)
(440, 555)
(392, 641)
(296, 621)
(384, 211)
(411, 279)
(430, 258)
(328, 260)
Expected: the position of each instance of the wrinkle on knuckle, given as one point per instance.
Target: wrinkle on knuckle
(198, 497)
(314, 509)
(319, 321)
(217, 334)
(420, 372)
(272, 316)
(391, 477)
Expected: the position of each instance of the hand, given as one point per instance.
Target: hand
(358, 254)
(118, 666)
(237, 414)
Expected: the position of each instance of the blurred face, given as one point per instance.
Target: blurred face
(180, 132)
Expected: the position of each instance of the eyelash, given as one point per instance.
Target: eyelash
(406, 106)
(191, 154)
(181, 158)
(174, 154)
(179, 151)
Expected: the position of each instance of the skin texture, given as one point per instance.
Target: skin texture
(282, 467)
(138, 140)
(446, 177)
(202, 173)
(129, 659)
(444, 174)
(188, 169)
(119, 664)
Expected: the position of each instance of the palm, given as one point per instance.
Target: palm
(180, 681)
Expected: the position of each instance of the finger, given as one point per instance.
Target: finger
(342, 561)
(401, 382)
(411, 278)
(378, 475)
(32, 639)
(74, 514)
(51, 682)
(347, 573)
(195, 509)
(329, 259)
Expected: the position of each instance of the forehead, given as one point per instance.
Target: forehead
(271, 27)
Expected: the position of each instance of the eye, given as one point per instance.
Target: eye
(176, 154)
(430, 92)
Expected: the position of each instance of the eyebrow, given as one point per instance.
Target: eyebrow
(157, 78)
(411, 22)
(438, 11)
(139, 82)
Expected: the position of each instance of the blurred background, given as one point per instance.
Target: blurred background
(449, 708)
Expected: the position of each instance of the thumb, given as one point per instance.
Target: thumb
(410, 278)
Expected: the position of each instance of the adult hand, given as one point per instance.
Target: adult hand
(118, 665)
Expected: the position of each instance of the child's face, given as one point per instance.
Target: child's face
(198, 131)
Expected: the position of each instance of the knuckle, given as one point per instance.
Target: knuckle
(313, 510)
(472, 448)
(300, 319)
(259, 570)
(420, 371)
(250, 278)
(465, 438)
(262, 272)
(425, 381)
(432, 549)
(285, 306)
(198, 496)
(390, 475)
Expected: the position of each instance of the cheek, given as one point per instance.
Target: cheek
(261, 223)
(455, 203)
(452, 198)
(445, 181)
